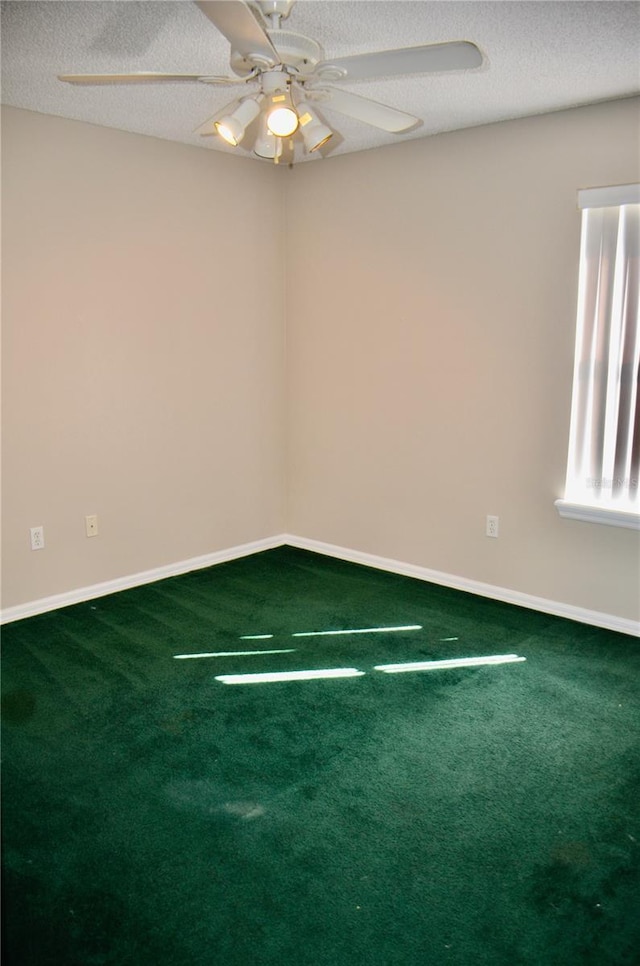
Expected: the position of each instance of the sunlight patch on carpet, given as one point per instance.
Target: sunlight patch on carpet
(269, 677)
(359, 630)
(184, 657)
(449, 663)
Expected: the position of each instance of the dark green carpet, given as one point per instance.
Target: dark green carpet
(153, 815)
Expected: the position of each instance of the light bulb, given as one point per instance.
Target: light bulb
(226, 133)
(282, 120)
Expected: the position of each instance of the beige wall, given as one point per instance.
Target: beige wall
(430, 308)
(143, 353)
(431, 312)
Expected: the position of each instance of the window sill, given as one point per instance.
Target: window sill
(598, 514)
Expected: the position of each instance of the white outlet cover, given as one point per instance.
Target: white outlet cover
(492, 526)
(37, 538)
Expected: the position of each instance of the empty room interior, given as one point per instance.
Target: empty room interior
(274, 434)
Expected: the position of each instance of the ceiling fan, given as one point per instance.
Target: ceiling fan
(286, 74)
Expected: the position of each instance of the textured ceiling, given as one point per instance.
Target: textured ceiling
(539, 57)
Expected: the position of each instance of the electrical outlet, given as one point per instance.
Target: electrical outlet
(91, 525)
(492, 526)
(37, 538)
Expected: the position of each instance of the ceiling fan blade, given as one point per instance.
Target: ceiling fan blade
(146, 78)
(371, 112)
(237, 22)
(429, 58)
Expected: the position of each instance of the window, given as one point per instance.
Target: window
(604, 439)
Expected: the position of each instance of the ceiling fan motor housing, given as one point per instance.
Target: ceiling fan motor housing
(298, 53)
(274, 8)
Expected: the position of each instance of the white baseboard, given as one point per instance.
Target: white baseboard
(34, 607)
(581, 614)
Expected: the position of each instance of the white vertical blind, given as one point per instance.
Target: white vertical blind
(604, 444)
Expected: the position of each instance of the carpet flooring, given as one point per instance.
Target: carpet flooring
(154, 814)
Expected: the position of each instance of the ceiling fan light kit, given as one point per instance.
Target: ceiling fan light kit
(314, 132)
(232, 127)
(267, 146)
(289, 70)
